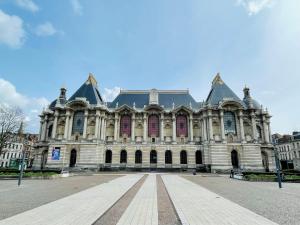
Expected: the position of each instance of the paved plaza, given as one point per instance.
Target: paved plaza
(137, 199)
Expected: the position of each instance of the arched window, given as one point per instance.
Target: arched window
(181, 126)
(198, 157)
(73, 157)
(234, 159)
(125, 126)
(183, 157)
(153, 126)
(153, 157)
(258, 131)
(108, 156)
(78, 122)
(138, 156)
(168, 157)
(229, 123)
(123, 156)
(50, 131)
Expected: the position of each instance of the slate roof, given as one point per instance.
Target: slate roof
(220, 91)
(165, 99)
(88, 90)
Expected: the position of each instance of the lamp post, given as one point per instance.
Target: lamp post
(277, 162)
(22, 164)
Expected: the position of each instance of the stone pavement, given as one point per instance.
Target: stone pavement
(196, 205)
(83, 208)
(143, 208)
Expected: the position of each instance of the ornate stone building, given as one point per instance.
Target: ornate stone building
(155, 129)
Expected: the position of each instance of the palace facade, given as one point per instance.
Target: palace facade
(155, 129)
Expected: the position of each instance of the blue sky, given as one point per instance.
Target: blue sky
(166, 44)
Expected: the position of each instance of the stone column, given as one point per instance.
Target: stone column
(85, 124)
(116, 127)
(266, 134)
(211, 135)
(101, 121)
(222, 126)
(97, 125)
(41, 129)
(54, 125)
(133, 127)
(104, 130)
(66, 132)
(191, 129)
(44, 129)
(145, 128)
(204, 128)
(174, 128)
(70, 125)
(269, 130)
(162, 135)
(254, 131)
(242, 132)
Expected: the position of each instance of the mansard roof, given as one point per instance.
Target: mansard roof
(88, 90)
(166, 99)
(221, 92)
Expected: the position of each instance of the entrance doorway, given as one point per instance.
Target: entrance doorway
(73, 158)
(234, 159)
(153, 157)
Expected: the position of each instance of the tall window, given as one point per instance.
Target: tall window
(138, 157)
(168, 157)
(229, 123)
(153, 157)
(108, 156)
(78, 122)
(123, 156)
(125, 125)
(181, 126)
(183, 157)
(198, 157)
(153, 126)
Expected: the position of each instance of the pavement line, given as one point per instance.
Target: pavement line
(143, 208)
(196, 205)
(82, 208)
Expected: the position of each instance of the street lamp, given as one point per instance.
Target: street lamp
(277, 162)
(22, 164)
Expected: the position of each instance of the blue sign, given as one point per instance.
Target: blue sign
(55, 153)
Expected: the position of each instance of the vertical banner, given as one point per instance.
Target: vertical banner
(55, 153)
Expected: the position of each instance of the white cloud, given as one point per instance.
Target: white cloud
(110, 94)
(11, 30)
(77, 7)
(30, 106)
(255, 6)
(28, 5)
(45, 29)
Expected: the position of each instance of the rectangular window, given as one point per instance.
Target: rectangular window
(78, 122)
(229, 123)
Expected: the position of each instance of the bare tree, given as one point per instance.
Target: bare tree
(10, 121)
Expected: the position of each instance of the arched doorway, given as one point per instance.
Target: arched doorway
(73, 158)
(183, 157)
(138, 156)
(265, 161)
(234, 159)
(44, 159)
(198, 157)
(153, 157)
(168, 157)
(108, 156)
(123, 156)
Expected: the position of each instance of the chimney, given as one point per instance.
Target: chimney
(246, 92)
(62, 95)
